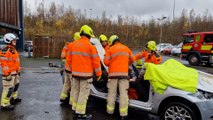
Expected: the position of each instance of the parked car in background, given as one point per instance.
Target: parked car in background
(176, 51)
(167, 50)
(28, 44)
(2, 43)
(161, 46)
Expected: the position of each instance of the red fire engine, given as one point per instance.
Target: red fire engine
(198, 48)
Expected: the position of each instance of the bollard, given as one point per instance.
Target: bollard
(29, 52)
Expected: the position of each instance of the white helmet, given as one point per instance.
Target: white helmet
(9, 37)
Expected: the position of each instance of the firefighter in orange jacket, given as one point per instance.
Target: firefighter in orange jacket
(118, 58)
(10, 72)
(83, 60)
(150, 54)
(64, 97)
(104, 42)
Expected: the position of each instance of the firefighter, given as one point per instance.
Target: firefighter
(150, 54)
(10, 72)
(84, 61)
(118, 58)
(64, 97)
(104, 42)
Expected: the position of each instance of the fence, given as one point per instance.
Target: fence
(48, 46)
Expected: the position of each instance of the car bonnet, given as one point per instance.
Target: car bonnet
(205, 82)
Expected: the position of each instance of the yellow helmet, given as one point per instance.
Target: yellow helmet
(87, 30)
(112, 39)
(76, 36)
(103, 37)
(151, 45)
(139, 64)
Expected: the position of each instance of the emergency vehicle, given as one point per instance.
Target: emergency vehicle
(198, 48)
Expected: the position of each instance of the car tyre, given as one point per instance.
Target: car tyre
(194, 59)
(177, 111)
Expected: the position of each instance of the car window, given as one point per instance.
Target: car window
(208, 38)
(188, 39)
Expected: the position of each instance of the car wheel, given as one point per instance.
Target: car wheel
(193, 59)
(177, 111)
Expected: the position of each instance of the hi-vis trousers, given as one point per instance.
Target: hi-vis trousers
(113, 85)
(10, 89)
(80, 94)
(66, 86)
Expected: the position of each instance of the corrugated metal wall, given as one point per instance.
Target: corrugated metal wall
(9, 12)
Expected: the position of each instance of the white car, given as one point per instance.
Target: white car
(162, 46)
(177, 49)
(173, 104)
(2, 43)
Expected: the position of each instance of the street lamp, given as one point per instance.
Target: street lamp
(174, 10)
(90, 13)
(161, 30)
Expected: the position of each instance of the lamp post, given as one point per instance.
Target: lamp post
(174, 10)
(161, 30)
(90, 13)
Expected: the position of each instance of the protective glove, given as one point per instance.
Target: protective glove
(19, 74)
(99, 78)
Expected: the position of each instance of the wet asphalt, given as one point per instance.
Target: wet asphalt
(40, 89)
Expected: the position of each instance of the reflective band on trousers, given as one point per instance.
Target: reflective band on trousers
(118, 74)
(120, 53)
(110, 108)
(83, 54)
(82, 73)
(124, 110)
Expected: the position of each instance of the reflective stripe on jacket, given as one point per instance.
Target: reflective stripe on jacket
(9, 60)
(153, 57)
(84, 59)
(106, 48)
(118, 58)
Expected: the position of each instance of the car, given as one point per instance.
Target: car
(2, 43)
(28, 45)
(173, 103)
(167, 50)
(161, 46)
(176, 51)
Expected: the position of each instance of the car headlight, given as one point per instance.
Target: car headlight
(202, 94)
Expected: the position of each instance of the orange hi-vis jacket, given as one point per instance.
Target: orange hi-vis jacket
(118, 58)
(64, 56)
(153, 57)
(83, 59)
(106, 48)
(9, 60)
(64, 51)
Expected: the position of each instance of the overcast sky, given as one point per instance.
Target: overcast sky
(141, 9)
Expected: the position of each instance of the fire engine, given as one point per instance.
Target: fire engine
(198, 48)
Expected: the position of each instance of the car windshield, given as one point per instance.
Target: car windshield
(188, 39)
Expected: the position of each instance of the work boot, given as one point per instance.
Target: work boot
(15, 101)
(9, 107)
(124, 117)
(84, 117)
(66, 101)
